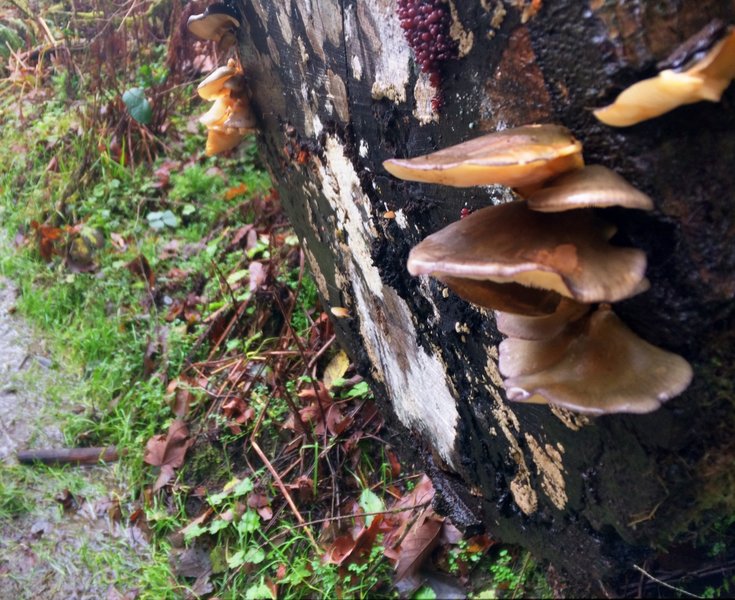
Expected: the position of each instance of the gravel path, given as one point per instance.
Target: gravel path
(60, 530)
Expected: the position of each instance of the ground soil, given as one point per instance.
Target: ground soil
(62, 538)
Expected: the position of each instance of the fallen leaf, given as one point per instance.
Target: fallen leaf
(236, 191)
(418, 544)
(168, 451)
(140, 267)
(336, 368)
(395, 465)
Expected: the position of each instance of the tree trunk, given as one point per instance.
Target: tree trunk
(337, 91)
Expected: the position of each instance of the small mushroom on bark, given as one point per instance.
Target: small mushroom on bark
(597, 365)
(592, 186)
(217, 23)
(703, 78)
(567, 253)
(519, 158)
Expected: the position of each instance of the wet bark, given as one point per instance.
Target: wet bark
(337, 92)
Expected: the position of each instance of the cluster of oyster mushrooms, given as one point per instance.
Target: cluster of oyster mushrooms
(230, 118)
(545, 265)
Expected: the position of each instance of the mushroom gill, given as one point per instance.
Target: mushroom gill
(567, 253)
(519, 158)
(704, 78)
(592, 186)
(597, 365)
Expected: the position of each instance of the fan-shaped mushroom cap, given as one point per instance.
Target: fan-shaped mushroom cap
(519, 157)
(565, 252)
(541, 327)
(705, 80)
(592, 186)
(603, 368)
(219, 140)
(216, 21)
(213, 84)
(217, 113)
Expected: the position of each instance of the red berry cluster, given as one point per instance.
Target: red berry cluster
(426, 26)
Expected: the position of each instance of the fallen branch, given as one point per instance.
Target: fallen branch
(80, 456)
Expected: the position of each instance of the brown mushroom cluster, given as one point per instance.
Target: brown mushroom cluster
(701, 69)
(542, 263)
(230, 117)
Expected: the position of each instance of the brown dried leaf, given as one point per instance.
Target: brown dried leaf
(418, 544)
(140, 267)
(168, 451)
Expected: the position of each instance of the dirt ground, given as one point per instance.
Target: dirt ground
(60, 531)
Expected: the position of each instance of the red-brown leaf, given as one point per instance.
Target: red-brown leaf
(168, 451)
(418, 544)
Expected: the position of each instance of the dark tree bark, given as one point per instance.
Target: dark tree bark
(337, 91)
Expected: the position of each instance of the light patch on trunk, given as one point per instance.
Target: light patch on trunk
(423, 93)
(416, 380)
(520, 487)
(549, 465)
(379, 29)
(572, 420)
(464, 38)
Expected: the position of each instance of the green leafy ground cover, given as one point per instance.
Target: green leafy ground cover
(255, 461)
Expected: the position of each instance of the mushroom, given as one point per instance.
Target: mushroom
(214, 84)
(541, 327)
(591, 186)
(230, 117)
(520, 158)
(565, 252)
(218, 23)
(219, 141)
(595, 366)
(704, 78)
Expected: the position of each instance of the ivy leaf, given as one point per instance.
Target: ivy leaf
(138, 105)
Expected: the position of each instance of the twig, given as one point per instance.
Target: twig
(663, 583)
(284, 491)
(79, 456)
(368, 514)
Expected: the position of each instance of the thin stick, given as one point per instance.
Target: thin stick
(284, 491)
(368, 514)
(79, 456)
(663, 583)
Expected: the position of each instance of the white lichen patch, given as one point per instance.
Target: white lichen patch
(322, 22)
(520, 487)
(548, 461)
(283, 16)
(423, 93)
(572, 420)
(388, 54)
(338, 95)
(401, 219)
(491, 367)
(416, 379)
(461, 328)
(464, 38)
